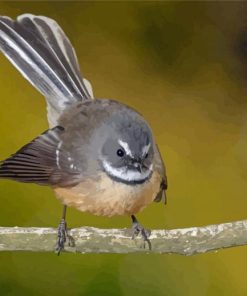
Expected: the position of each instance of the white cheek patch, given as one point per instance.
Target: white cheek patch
(126, 147)
(145, 149)
(126, 175)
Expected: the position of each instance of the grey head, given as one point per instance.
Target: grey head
(124, 146)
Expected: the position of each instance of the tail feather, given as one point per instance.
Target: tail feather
(41, 51)
(56, 44)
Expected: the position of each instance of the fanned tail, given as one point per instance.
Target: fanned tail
(41, 51)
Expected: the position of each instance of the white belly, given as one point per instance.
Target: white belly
(108, 198)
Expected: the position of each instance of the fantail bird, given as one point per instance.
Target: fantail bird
(99, 155)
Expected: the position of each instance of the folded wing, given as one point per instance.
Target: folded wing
(42, 161)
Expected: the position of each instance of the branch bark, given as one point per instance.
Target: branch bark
(186, 241)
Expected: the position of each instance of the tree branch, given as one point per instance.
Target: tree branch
(187, 241)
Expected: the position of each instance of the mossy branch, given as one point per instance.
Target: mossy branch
(186, 241)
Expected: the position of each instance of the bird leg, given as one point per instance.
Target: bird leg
(62, 233)
(137, 229)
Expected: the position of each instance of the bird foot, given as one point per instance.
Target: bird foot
(62, 237)
(137, 229)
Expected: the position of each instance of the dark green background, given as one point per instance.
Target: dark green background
(183, 66)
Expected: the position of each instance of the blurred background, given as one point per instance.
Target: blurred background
(183, 65)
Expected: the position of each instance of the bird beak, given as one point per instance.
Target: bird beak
(138, 166)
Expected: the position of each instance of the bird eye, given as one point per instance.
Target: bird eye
(146, 156)
(120, 153)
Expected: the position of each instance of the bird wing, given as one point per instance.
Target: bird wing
(42, 161)
(40, 50)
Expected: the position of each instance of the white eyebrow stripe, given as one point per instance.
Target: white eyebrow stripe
(126, 147)
(145, 149)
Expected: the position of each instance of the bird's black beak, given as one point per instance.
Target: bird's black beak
(137, 165)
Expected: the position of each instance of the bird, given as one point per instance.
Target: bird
(98, 155)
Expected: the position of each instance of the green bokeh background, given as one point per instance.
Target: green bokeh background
(184, 67)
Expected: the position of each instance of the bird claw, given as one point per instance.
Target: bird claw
(137, 229)
(62, 237)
